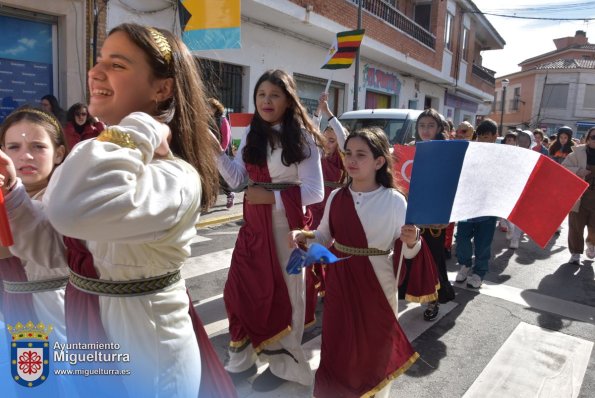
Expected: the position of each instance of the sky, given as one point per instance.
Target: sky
(527, 38)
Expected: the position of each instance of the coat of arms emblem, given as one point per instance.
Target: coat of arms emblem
(30, 353)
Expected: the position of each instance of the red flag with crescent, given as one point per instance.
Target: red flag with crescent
(403, 163)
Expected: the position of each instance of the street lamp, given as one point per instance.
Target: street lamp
(504, 84)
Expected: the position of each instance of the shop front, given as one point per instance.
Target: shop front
(459, 109)
(382, 87)
(310, 88)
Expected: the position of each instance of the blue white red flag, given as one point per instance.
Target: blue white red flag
(458, 180)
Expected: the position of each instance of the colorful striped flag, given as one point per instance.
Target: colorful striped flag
(209, 25)
(344, 49)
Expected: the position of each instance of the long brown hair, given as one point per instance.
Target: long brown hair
(186, 113)
(430, 112)
(295, 119)
(557, 146)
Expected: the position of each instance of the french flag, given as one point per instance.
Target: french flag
(458, 180)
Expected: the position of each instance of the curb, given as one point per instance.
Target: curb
(219, 220)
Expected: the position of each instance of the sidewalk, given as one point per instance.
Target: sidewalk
(220, 214)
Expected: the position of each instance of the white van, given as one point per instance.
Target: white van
(398, 124)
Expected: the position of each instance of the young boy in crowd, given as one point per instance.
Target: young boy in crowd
(480, 229)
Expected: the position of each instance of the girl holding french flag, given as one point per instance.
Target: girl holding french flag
(363, 346)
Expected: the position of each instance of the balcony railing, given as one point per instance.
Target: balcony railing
(388, 13)
(484, 73)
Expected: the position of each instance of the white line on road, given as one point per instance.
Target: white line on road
(531, 299)
(534, 362)
(208, 300)
(207, 263)
(199, 238)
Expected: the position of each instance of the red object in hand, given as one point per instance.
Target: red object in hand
(5, 233)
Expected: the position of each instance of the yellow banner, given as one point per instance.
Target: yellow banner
(208, 14)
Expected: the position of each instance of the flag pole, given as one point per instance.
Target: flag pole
(328, 83)
(356, 77)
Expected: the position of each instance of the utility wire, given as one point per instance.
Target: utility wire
(547, 8)
(521, 11)
(539, 18)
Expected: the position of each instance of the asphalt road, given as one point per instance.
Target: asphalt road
(528, 332)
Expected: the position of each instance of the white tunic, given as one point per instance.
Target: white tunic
(137, 215)
(382, 214)
(309, 173)
(48, 305)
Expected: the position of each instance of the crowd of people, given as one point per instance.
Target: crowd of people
(103, 209)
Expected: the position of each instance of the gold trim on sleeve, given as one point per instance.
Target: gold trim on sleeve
(115, 136)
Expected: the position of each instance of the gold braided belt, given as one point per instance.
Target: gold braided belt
(35, 286)
(360, 251)
(273, 186)
(136, 287)
(333, 184)
(434, 229)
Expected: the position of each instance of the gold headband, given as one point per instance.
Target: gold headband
(162, 44)
(44, 115)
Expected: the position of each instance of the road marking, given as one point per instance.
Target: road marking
(208, 300)
(412, 326)
(534, 362)
(531, 299)
(199, 238)
(531, 360)
(217, 327)
(207, 263)
(200, 265)
(411, 317)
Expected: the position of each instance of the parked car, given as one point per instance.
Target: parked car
(398, 124)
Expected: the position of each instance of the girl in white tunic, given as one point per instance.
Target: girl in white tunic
(265, 306)
(33, 292)
(36, 144)
(125, 199)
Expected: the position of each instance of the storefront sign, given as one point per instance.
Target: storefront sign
(380, 80)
